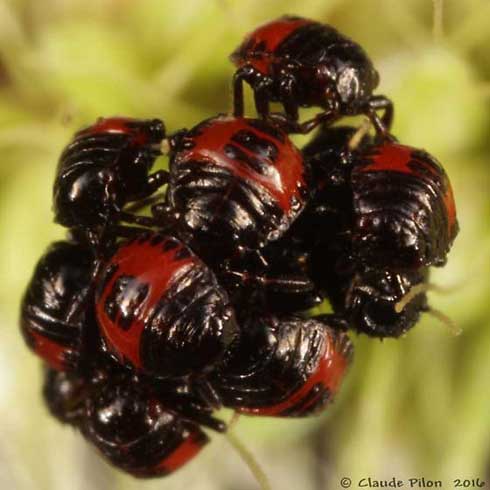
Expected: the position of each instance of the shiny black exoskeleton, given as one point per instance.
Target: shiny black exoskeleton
(373, 300)
(325, 227)
(284, 367)
(235, 183)
(235, 186)
(62, 274)
(64, 394)
(302, 63)
(144, 428)
(105, 166)
(205, 306)
(161, 310)
(367, 294)
(278, 280)
(404, 209)
(393, 203)
(370, 300)
(136, 431)
(330, 157)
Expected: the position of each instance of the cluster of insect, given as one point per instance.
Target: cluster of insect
(165, 305)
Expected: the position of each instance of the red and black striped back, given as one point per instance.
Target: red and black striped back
(237, 179)
(161, 309)
(287, 367)
(404, 208)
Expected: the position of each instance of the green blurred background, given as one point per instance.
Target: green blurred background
(413, 407)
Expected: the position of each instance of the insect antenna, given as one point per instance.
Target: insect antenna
(422, 288)
(246, 456)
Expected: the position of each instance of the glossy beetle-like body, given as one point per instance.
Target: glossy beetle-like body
(365, 292)
(404, 210)
(137, 432)
(394, 201)
(236, 182)
(373, 296)
(161, 310)
(278, 285)
(62, 273)
(330, 209)
(370, 299)
(148, 428)
(303, 63)
(64, 394)
(105, 166)
(285, 367)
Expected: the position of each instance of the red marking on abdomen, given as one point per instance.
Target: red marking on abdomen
(52, 352)
(108, 125)
(271, 35)
(286, 172)
(450, 205)
(184, 452)
(329, 374)
(389, 157)
(148, 264)
(117, 125)
(397, 158)
(392, 157)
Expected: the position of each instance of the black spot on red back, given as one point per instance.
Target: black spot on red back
(237, 154)
(123, 300)
(183, 253)
(263, 148)
(157, 240)
(170, 244)
(267, 129)
(135, 297)
(258, 48)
